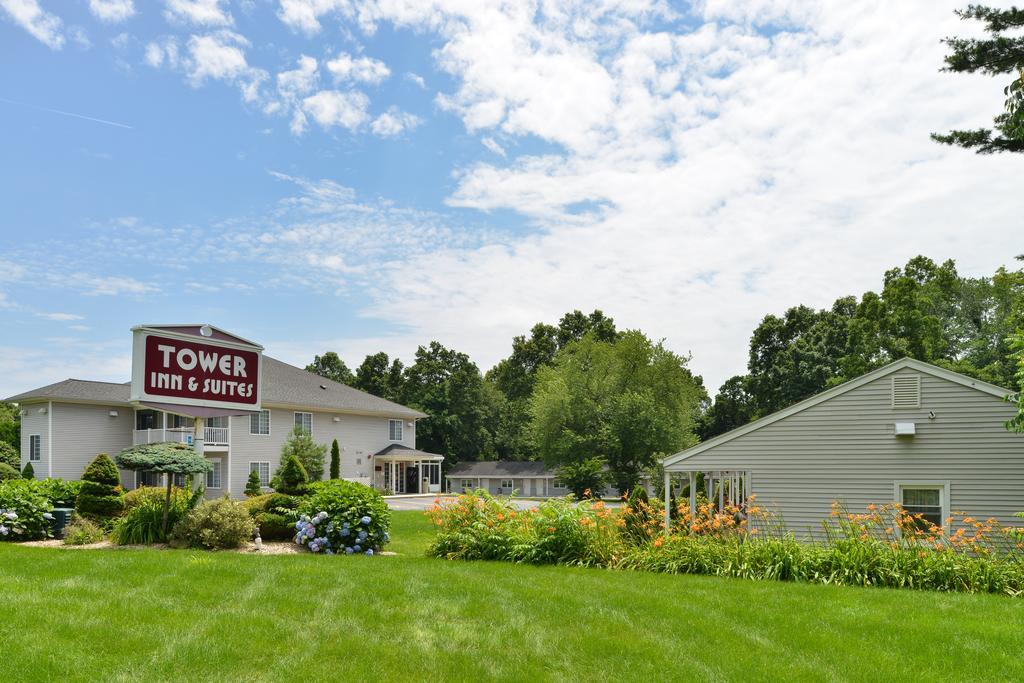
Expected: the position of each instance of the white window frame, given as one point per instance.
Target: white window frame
(140, 474)
(467, 484)
(942, 486)
(259, 419)
(511, 483)
(557, 484)
(216, 474)
(299, 422)
(258, 463)
(35, 454)
(391, 431)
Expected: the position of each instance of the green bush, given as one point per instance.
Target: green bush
(101, 497)
(9, 455)
(7, 472)
(28, 472)
(154, 494)
(24, 511)
(275, 515)
(291, 477)
(215, 524)
(335, 460)
(343, 516)
(62, 494)
(82, 531)
(308, 452)
(252, 484)
(143, 523)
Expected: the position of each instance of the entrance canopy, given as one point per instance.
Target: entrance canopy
(396, 452)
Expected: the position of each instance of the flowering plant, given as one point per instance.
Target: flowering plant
(24, 511)
(342, 517)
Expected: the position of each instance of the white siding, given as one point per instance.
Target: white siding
(82, 431)
(34, 423)
(844, 450)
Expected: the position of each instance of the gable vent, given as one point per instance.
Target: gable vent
(906, 391)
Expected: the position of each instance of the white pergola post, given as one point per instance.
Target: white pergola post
(693, 495)
(668, 502)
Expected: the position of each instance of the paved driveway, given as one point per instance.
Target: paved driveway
(423, 502)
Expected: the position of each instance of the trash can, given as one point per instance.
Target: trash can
(61, 517)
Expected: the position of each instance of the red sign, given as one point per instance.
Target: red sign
(176, 368)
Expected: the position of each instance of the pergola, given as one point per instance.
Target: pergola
(720, 486)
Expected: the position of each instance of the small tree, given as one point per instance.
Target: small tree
(28, 472)
(9, 455)
(165, 457)
(101, 496)
(335, 460)
(310, 453)
(291, 477)
(253, 486)
(7, 472)
(584, 475)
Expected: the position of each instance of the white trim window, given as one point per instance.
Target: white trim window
(508, 484)
(395, 430)
(304, 421)
(213, 477)
(467, 485)
(928, 500)
(259, 423)
(35, 448)
(557, 484)
(148, 478)
(263, 468)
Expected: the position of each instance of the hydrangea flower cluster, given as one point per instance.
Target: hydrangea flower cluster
(9, 523)
(330, 539)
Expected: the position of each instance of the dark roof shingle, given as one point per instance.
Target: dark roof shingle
(500, 468)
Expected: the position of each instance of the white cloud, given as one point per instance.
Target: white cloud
(23, 369)
(198, 12)
(336, 108)
(61, 317)
(492, 144)
(345, 67)
(44, 26)
(417, 79)
(162, 52)
(112, 11)
(221, 56)
(304, 15)
(100, 285)
(394, 122)
(79, 37)
(292, 86)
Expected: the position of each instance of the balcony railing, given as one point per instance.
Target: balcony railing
(214, 436)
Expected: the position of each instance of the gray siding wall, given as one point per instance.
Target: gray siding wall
(844, 450)
(81, 432)
(35, 423)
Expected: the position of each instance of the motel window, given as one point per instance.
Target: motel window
(213, 480)
(507, 484)
(927, 501)
(557, 484)
(395, 430)
(35, 451)
(179, 422)
(467, 485)
(148, 478)
(263, 468)
(304, 421)
(179, 480)
(259, 423)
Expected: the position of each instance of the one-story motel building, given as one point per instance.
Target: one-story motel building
(66, 424)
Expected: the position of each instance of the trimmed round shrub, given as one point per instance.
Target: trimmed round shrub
(28, 472)
(291, 478)
(9, 455)
(7, 472)
(341, 516)
(215, 524)
(252, 484)
(101, 497)
(24, 511)
(275, 515)
(82, 531)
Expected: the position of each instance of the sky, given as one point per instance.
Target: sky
(362, 176)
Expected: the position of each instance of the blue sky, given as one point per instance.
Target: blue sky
(360, 176)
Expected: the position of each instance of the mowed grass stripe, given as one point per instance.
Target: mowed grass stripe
(179, 615)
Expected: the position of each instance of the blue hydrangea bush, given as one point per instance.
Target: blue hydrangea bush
(24, 511)
(343, 517)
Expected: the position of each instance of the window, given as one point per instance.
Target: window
(148, 478)
(263, 468)
(434, 473)
(213, 476)
(395, 430)
(259, 423)
(179, 480)
(179, 422)
(35, 450)
(507, 484)
(467, 485)
(305, 421)
(557, 484)
(925, 500)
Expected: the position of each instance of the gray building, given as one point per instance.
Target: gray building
(932, 440)
(64, 425)
(524, 478)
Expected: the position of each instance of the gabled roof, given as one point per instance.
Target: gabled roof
(400, 451)
(283, 385)
(919, 366)
(193, 330)
(500, 468)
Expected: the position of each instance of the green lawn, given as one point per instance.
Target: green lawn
(188, 615)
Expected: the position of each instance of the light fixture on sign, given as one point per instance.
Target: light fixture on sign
(206, 331)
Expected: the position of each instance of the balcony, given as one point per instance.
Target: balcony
(214, 436)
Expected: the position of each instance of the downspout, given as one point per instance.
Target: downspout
(49, 440)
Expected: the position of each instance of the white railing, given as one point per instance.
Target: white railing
(216, 435)
(177, 434)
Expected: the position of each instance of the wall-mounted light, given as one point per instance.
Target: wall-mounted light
(113, 413)
(905, 429)
(336, 418)
(42, 411)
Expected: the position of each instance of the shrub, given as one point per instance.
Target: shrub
(28, 472)
(343, 516)
(215, 524)
(61, 493)
(9, 455)
(154, 494)
(143, 523)
(100, 497)
(584, 476)
(24, 511)
(82, 531)
(641, 521)
(335, 460)
(310, 453)
(7, 472)
(252, 484)
(274, 514)
(291, 477)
